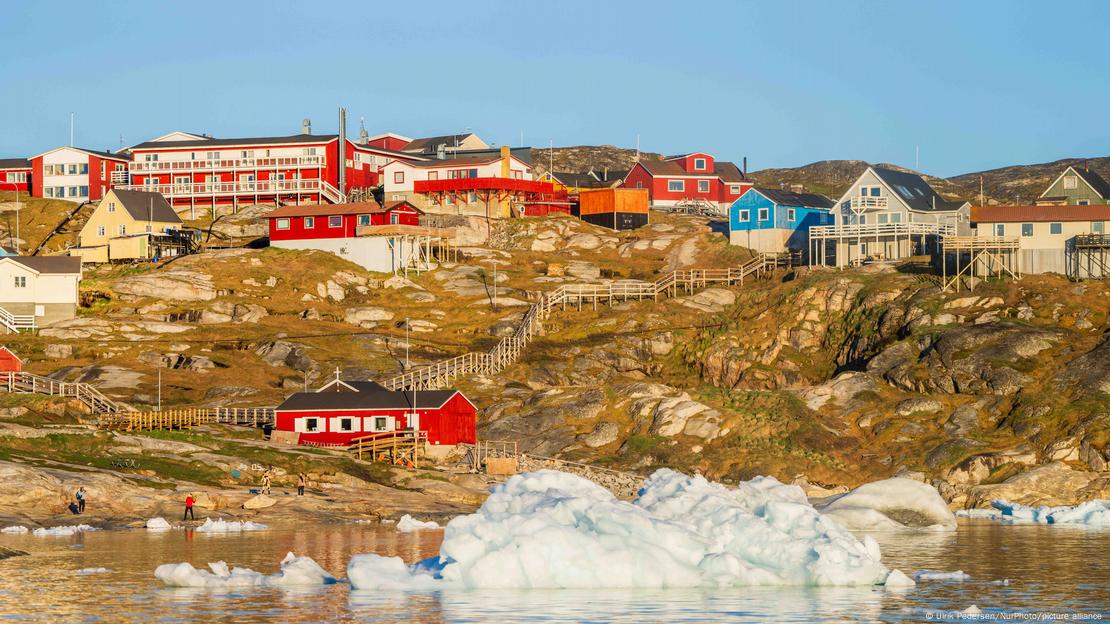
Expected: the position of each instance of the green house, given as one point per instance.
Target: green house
(1076, 187)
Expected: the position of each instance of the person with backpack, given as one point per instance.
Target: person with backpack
(301, 482)
(189, 508)
(80, 495)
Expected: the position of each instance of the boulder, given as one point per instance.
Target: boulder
(173, 285)
(58, 351)
(913, 406)
(283, 353)
(366, 316)
(604, 433)
(582, 270)
(1051, 484)
(260, 501)
(710, 300)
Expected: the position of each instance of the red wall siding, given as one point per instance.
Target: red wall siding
(389, 143)
(319, 229)
(23, 187)
(688, 163)
(453, 423)
(9, 363)
(36, 177)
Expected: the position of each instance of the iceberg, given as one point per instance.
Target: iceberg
(158, 524)
(15, 529)
(62, 530)
(295, 572)
(407, 524)
(550, 529)
(220, 525)
(87, 571)
(896, 503)
(927, 575)
(1090, 513)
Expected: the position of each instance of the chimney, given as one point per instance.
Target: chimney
(745, 166)
(441, 151)
(306, 126)
(605, 174)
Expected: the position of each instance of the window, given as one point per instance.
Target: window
(1055, 228)
(309, 151)
(381, 423)
(73, 191)
(639, 184)
(764, 214)
(1083, 202)
(72, 169)
(18, 176)
(699, 164)
(309, 223)
(48, 169)
(364, 219)
(676, 186)
(282, 224)
(48, 191)
(1026, 229)
(83, 168)
(734, 189)
(744, 216)
(246, 154)
(896, 217)
(1071, 182)
(122, 229)
(471, 197)
(311, 424)
(335, 221)
(703, 186)
(148, 228)
(21, 281)
(999, 229)
(150, 157)
(790, 214)
(111, 206)
(84, 191)
(346, 424)
(398, 177)
(884, 218)
(433, 175)
(473, 173)
(1098, 227)
(212, 155)
(100, 230)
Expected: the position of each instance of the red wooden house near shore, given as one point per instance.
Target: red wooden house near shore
(344, 410)
(694, 177)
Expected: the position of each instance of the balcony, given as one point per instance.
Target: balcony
(120, 178)
(170, 166)
(242, 187)
(872, 230)
(862, 203)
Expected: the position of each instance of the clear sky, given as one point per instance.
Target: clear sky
(973, 84)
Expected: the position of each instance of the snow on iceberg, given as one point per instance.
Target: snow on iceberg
(896, 503)
(295, 572)
(62, 530)
(219, 525)
(15, 529)
(550, 529)
(408, 524)
(1090, 513)
(928, 575)
(158, 524)
(989, 514)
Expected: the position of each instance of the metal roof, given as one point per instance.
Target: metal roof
(146, 206)
(366, 398)
(790, 198)
(15, 163)
(915, 191)
(1015, 214)
(48, 264)
(272, 140)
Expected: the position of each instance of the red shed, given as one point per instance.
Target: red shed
(337, 220)
(344, 410)
(9, 362)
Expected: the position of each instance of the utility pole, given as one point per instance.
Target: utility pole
(159, 386)
(407, 326)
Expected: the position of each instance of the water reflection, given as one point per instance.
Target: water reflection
(1050, 569)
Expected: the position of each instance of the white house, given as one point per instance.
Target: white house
(38, 290)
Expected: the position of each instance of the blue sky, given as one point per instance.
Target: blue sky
(974, 85)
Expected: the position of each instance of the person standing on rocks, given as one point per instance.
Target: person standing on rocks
(189, 508)
(301, 482)
(266, 482)
(80, 495)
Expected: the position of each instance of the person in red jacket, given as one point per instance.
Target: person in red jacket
(188, 508)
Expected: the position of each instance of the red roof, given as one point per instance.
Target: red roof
(482, 184)
(1013, 214)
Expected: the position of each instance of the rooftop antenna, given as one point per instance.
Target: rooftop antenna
(917, 158)
(550, 157)
(72, 124)
(637, 147)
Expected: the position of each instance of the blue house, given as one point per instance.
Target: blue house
(773, 220)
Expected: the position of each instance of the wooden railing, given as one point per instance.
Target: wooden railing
(240, 187)
(155, 166)
(188, 418)
(16, 322)
(508, 349)
(881, 229)
(28, 383)
(398, 447)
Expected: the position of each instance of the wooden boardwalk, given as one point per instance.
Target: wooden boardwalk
(402, 448)
(508, 350)
(256, 417)
(95, 400)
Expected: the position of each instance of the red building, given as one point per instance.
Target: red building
(297, 169)
(9, 362)
(76, 174)
(322, 221)
(344, 410)
(15, 175)
(688, 178)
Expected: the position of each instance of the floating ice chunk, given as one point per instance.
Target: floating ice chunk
(989, 514)
(15, 529)
(295, 572)
(972, 610)
(896, 503)
(87, 571)
(62, 530)
(1090, 513)
(158, 524)
(408, 524)
(220, 525)
(897, 578)
(1001, 582)
(372, 571)
(927, 575)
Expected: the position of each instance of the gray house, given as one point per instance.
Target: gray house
(887, 215)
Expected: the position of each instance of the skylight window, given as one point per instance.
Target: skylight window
(905, 192)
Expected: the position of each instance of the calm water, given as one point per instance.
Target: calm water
(1051, 569)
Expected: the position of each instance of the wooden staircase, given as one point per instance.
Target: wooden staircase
(396, 447)
(95, 400)
(507, 351)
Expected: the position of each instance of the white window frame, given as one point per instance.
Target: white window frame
(309, 223)
(699, 164)
(999, 229)
(100, 230)
(111, 206)
(1056, 226)
(364, 219)
(764, 214)
(1082, 202)
(332, 221)
(122, 229)
(671, 186)
(390, 424)
(1098, 227)
(1023, 228)
(1071, 182)
(282, 224)
(701, 184)
(790, 215)
(734, 188)
(745, 215)
(20, 281)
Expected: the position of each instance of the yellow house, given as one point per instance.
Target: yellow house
(127, 225)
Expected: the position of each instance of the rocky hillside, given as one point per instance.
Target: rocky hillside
(1025, 182)
(585, 157)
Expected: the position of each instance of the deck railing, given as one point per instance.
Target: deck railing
(206, 164)
(866, 230)
(240, 187)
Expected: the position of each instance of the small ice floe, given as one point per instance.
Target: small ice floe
(972, 610)
(295, 572)
(898, 579)
(1001, 582)
(62, 530)
(408, 524)
(158, 524)
(1090, 513)
(220, 525)
(15, 530)
(87, 571)
(928, 575)
(550, 529)
(897, 503)
(989, 514)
